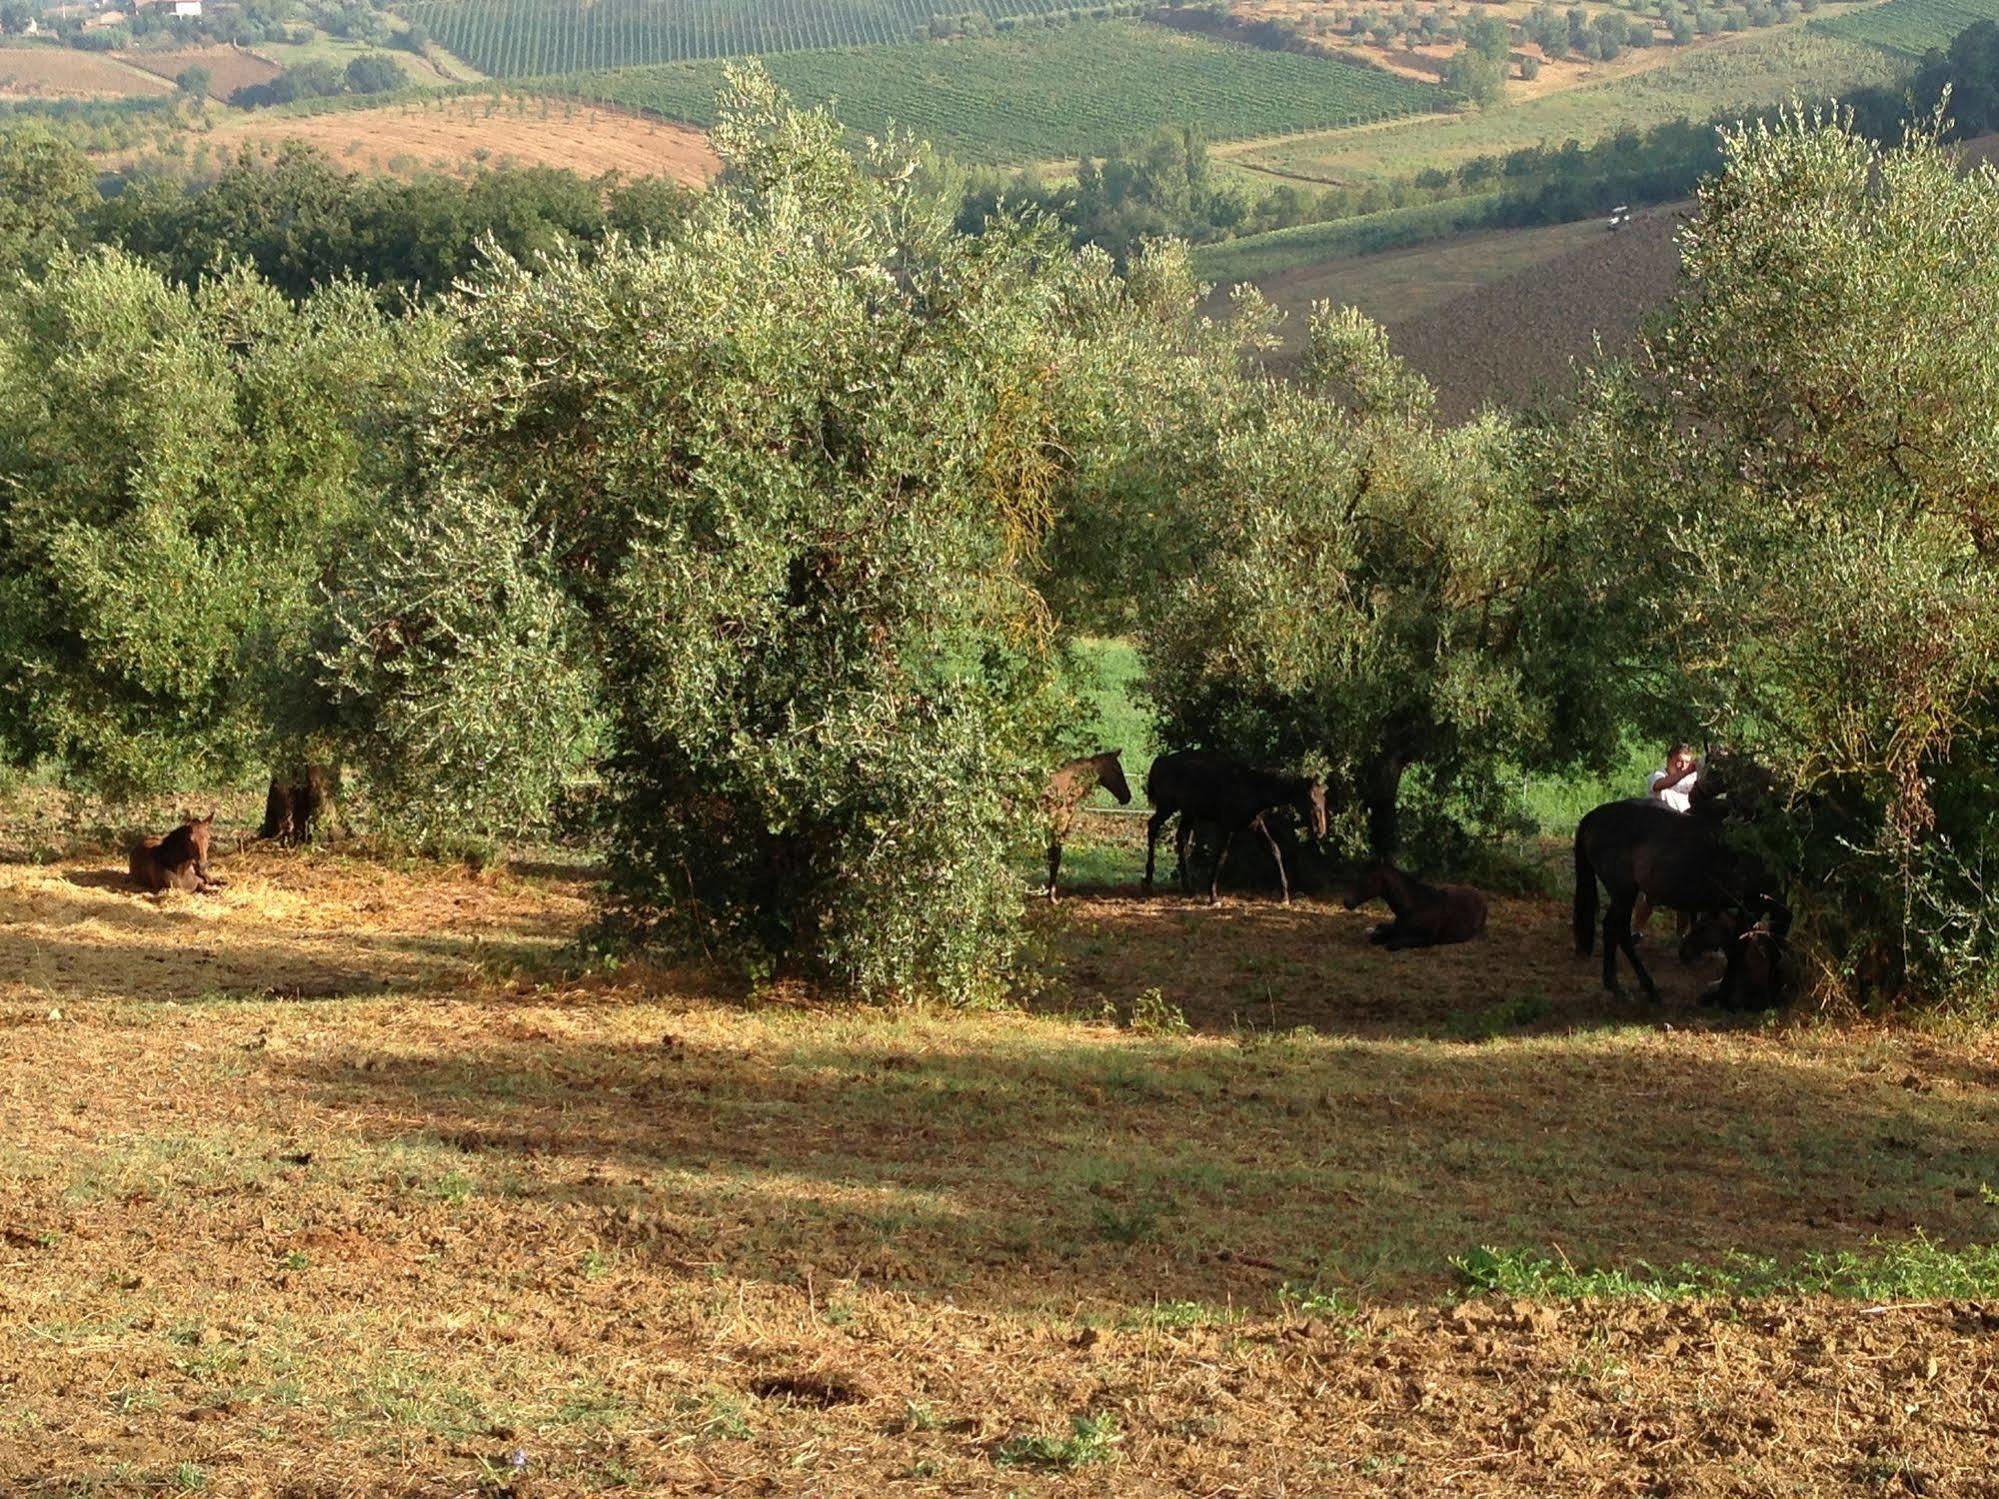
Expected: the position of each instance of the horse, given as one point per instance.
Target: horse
(1233, 796)
(1756, 973)
(1681, 860)
(1425, 915)
(177, 860)
(1063, 799)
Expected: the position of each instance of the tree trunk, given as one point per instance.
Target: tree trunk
(1384, 791)
(294, 809)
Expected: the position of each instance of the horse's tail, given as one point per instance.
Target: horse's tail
(1585, 918)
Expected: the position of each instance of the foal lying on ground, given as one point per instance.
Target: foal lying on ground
(1425, 915)
(178, 861)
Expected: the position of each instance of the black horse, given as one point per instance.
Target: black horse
(1233, 796)
(1681, 860)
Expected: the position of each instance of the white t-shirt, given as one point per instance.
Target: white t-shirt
(1681, 797)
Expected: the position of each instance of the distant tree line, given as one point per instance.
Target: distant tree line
(301, 223)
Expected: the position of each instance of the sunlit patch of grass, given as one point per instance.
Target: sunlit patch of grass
(1090, 1439)
(1915, 1269)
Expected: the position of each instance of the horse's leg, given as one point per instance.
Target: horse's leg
(1283, 880)
(1153, 827)
(1630, 942)
(1182, 836)
(1215, 879)
(1616, 934)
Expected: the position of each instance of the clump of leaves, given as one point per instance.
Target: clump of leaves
(1091, 1439)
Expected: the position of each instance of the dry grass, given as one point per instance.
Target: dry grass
(41, 71)
(341, 1183)
(463, 134)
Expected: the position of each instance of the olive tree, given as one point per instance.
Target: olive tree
(766, 496)
(1820, 489)
(176, 470)
(1375, 594)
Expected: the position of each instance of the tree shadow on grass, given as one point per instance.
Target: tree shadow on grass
(1254, 964)
(1047, 1165)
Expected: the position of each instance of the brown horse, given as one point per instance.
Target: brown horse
(177, 861)
(1233, 797)
(1425, 915)
(1064, 799)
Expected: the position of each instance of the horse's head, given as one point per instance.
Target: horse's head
(1312, 804)
(1732, 783)
(1712, 933)
(198, 830)
(1370, 883)
(1110, 775)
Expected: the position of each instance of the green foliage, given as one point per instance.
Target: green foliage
(1374, 593)
(177, 468)
(303, 223)
(47, 189)
(780, 478)
(1809, 466)
(1917, 1270)
(375, 73)
(1091, 1439)
(1043, 94)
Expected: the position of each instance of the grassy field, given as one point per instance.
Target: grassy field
(351, 1179)
(1911, 27)
(1046, 93)
(1756, 71)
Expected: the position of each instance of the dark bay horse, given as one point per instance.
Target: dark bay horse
(1757, 971)
(1425, 915)
(1678, 859)
(1216, 789)
(1064, 799)
(177, 861)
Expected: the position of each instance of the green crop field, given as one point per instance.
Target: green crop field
(518, 38)
(1755, 72)
(1045, 93)
(1911, 26)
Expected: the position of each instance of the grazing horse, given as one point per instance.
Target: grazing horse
(1231, 795)
(177, 861)
(1678, 859)
(1064, 799)
(1425, 915)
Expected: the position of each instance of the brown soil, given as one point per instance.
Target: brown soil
(459, 135)
(36, 71)
(339, 1182)
(1519, 339)
(229, 68)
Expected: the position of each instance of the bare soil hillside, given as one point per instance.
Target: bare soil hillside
(1519, 338)
(457, 135)
(229, 68)
(39, 71)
